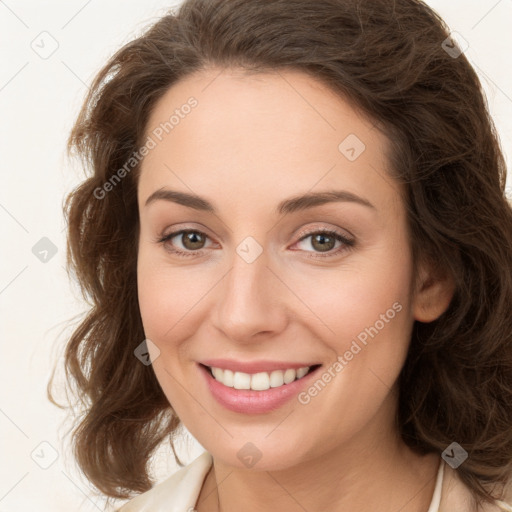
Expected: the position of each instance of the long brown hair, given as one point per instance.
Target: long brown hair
(387, 58)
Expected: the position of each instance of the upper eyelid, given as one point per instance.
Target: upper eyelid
(337, 231)
(302, 233)
(181, 231)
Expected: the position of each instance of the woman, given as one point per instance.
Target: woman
(296, 242)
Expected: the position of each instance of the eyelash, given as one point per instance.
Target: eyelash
(348, 243)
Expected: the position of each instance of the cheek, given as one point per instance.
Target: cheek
(171, 298)
(364, 291)
(154, 299)
(377, 304)
(368, 313)
(377, 341)
(159, 297)
(366, 307)
(164, 298)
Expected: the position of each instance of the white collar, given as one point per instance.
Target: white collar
(179, 492)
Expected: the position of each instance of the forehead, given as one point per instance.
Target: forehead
(263, 133)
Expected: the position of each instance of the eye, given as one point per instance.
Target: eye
(324, 241)
(191, 240)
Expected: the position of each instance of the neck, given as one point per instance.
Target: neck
(374, 470)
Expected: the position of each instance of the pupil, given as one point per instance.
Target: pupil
(323, 245)
(193, 238)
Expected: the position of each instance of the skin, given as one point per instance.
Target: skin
(251, 142)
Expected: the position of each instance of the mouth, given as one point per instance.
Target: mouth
(256, 393)
(259, 381)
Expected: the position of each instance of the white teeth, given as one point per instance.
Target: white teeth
(242, 381)
(302, 371)
(227, 378)
(276, 379)
(217, 373)
(289, 376)
(258, 381)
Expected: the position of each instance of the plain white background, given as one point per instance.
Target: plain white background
(39, 98)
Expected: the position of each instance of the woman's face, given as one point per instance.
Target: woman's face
(256, 168)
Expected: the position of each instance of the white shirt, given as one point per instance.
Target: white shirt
(179, 492)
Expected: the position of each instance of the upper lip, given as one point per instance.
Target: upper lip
(254, 366)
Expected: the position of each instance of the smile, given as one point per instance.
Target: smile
(260, 381)
(258, 392)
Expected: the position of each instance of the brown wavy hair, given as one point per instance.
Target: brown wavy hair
(388, 59)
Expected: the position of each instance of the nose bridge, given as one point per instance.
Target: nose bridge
(248, 301)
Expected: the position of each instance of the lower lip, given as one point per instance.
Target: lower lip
(248, 401)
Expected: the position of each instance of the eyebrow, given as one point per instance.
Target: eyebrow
(291, 205)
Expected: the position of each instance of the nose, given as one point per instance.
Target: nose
(250, 303)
